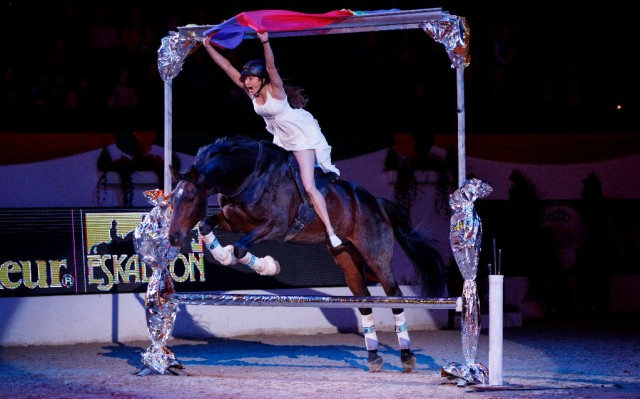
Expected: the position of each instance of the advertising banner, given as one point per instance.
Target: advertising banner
(51, 251)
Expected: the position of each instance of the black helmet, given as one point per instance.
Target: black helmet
(256, 68)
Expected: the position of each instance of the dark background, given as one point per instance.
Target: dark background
(64, 66)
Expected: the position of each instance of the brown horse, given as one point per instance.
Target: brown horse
(259, 196)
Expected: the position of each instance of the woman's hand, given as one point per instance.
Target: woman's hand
(206, 41)
(263, 36)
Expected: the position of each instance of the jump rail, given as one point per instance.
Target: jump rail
(379, 21)
(316, 301)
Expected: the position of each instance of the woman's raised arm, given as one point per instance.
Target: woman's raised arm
(223, 63)
(274, 77)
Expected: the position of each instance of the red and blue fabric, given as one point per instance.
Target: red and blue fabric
(231, 32)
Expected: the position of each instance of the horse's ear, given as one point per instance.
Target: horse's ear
(193, 174)
(174, 173)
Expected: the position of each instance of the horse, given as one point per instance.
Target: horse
(260, 196)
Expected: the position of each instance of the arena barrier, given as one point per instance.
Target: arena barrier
(161, 302)
(161, 306)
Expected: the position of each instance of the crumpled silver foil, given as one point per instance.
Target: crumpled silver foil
(150, 237)
(465, 234)
(174, 49)
(161, 316)
(465, 237)
(153, 248)
(453, 33)
(466, 374)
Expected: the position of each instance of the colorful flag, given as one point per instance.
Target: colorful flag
(230, 33)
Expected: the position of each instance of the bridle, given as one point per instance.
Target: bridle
(250, 178)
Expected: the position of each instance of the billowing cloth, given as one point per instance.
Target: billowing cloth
(295, 129)
(230, 33)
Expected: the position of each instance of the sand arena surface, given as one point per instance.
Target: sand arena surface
(598, 360)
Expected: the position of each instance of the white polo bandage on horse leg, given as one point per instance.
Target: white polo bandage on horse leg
(404, 342)
(266, 266)
(229, 249)
(369, 331)
(219, 253)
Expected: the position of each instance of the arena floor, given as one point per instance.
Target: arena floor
(598, 360)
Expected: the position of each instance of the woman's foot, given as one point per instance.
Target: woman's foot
(335, 241)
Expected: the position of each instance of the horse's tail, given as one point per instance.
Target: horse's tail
(418, 247)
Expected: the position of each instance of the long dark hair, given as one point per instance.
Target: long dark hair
(296, 96)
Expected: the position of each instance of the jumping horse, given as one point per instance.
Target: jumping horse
(260, 195)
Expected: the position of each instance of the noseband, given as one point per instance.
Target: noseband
(250, 178)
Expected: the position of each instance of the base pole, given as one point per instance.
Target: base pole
(496, 315)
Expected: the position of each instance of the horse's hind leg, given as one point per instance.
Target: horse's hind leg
(379, 257)
(371, 340)
(407, 357)
(351, 264)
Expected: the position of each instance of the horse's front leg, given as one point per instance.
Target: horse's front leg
(232, 254)
(224, 255)
(266, 266)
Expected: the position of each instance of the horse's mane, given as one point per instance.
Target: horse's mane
(228, 144)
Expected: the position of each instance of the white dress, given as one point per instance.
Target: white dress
(295, 129)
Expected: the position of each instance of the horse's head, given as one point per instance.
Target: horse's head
(189, 201)
(232, 167)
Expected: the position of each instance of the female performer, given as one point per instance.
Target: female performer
(293, 128)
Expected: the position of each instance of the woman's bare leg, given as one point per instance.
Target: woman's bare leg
(306, 160)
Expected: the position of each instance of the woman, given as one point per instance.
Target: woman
(293, 129)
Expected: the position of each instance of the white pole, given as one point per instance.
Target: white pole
(496, 285)
(462, 167)
(168, 115)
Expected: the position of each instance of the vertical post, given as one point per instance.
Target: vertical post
(168, 134)
(462, 167)
(496, 285)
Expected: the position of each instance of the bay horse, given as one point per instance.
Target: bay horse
(260, 195)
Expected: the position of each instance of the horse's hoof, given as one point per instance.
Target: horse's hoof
(224, 255)
(408, 360)
(270, 267)
(375, 362)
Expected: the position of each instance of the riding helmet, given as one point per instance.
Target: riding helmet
(256, 68)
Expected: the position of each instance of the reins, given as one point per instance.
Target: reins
(249, 179)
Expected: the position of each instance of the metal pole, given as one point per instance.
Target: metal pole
(168, 134)
(462, 172)
(219, 299)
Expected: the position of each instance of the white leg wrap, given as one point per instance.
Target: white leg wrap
(232, 258)
(404, 342)
(222, 255)
(369, 330)
(266, 266)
